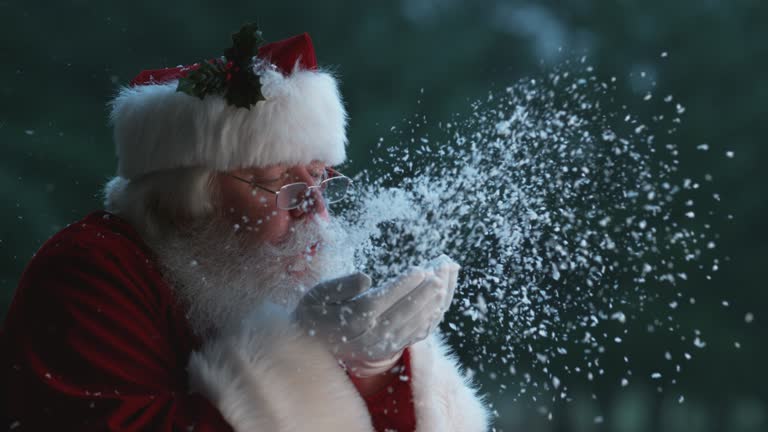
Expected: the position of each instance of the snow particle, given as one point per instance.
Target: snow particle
(698, 343)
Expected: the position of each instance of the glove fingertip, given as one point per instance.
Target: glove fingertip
(363, 280)
(442, 261)
(414, 270)
(413, 276)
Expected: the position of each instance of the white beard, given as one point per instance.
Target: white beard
(219, 278)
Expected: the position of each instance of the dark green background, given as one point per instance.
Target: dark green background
(62, 61)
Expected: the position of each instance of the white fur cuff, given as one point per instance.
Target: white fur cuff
(269, 376)
(444, 399)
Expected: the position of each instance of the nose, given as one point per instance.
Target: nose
(313, 203)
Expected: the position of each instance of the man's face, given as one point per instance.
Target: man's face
(253, 212)
(252, 251)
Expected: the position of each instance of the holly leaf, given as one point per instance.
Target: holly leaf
(235, 77)
(245, 44)
(209, 78)
(245, 91)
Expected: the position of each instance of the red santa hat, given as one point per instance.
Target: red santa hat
(300, 119)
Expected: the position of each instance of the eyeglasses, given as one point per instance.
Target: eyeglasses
(333, 189)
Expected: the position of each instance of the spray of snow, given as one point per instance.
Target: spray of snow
(562, 209)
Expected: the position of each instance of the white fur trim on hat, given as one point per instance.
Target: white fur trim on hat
(302, 120)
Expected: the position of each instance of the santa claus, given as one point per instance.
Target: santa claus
(214, 293)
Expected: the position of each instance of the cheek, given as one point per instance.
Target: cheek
(266, 223)
(255, 215)
(274, 229)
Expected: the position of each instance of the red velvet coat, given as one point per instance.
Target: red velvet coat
(94, 341)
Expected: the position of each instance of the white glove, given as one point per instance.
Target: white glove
(367, 329)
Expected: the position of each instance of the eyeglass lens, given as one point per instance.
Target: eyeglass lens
(333, 190)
